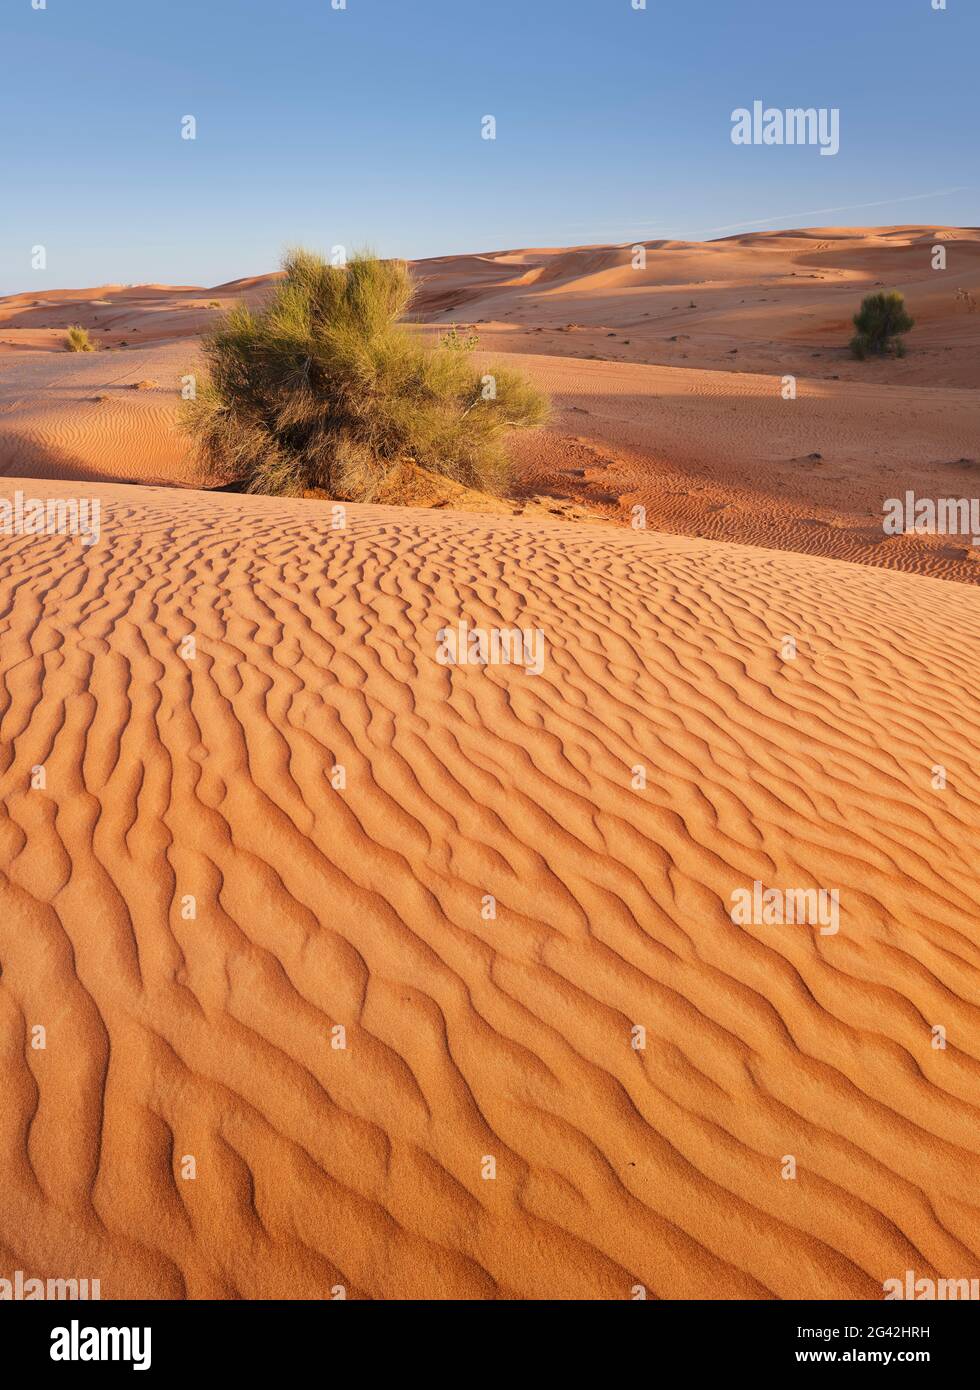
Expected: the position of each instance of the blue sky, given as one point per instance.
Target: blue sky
(363, 126)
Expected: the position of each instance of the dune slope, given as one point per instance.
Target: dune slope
(205, 1030)
(669, 381)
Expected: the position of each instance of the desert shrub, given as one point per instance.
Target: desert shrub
(325, 389)
(78, 339)
(881, 319)
(454, 339)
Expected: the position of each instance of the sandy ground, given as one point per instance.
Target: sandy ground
(470, 1039)
(667, 383)
(212, 859)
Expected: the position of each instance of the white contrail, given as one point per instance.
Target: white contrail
(852, 207)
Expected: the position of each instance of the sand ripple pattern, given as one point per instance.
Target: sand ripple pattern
(466, 1038)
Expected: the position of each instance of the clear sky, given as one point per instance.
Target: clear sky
(362, 127)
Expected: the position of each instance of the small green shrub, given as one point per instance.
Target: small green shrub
(455, 341)
(325, 389)
(881, 319)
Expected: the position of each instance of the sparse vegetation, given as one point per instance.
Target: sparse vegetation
(455, 341)
(881, 319)
(78, 339)
(324, 389)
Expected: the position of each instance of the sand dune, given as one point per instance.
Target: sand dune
(317, 907)
(667, 381)
(723, 455)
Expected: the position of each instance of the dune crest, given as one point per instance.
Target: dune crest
(668, 370)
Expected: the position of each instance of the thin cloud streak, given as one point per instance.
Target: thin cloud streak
(852, 207)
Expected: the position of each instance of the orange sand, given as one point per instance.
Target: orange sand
(658, 404)
(361, 907)
(668, 755)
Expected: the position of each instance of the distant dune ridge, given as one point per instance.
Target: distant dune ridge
(667, 379)
(295, 827)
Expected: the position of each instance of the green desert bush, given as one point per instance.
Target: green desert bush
(882, 318)
(325, 389)
(78, 339)
(455, 340)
